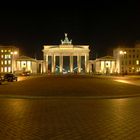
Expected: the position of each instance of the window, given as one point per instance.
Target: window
(133, 62)
(9, 62)
(6, 56)
(1, 50)
(5, 69)
(1, 56)
(5, 51)
(9, 69)
(1, 62)
(137, 62)
(1, 69)
(5, 62)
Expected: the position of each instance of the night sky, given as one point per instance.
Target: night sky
(101, 25)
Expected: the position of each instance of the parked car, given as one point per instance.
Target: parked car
(10, 77)
(26, 73)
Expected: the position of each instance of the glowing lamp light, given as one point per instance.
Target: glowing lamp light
(15, 52)
(121, 52)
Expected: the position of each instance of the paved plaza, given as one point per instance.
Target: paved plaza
(70, 86)
(70, 108)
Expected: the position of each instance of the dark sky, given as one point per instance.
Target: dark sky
(102, 25)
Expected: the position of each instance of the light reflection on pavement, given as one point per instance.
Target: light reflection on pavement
(21, 78)
(131, 82)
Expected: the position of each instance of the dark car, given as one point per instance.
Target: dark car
(10, 77)
(26, 73)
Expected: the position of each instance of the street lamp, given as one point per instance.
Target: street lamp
(123, 53)
(13, 60)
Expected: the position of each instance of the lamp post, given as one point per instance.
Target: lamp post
(13, 54)
(123, 53)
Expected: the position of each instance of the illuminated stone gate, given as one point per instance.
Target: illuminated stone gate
(66, 58)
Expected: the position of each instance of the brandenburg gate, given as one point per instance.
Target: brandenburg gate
(66, 57)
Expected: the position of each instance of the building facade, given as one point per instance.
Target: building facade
(103, 65)
(69, 58)
(66, 58)
(127, 60)
(26, 64)
(8, 55)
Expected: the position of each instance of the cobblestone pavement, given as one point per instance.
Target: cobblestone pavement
(68, 108)
(69, 86)
(70, 119)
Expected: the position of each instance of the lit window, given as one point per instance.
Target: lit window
(5, 69)
(6, 56)
(9, 56)
(1, 62)
(1, 56)
(1, 69)
(5, 50)
(137, 70)
(9, 50)
(1, 50)
(9, 61)
(137, 62)
(5, 62)
(9, 69)
(15, 52)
